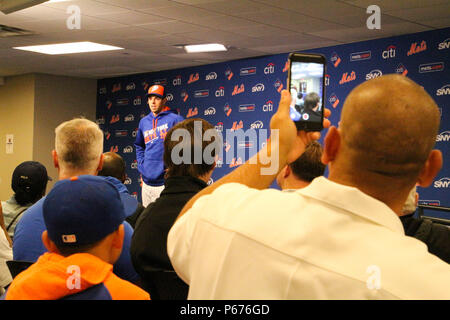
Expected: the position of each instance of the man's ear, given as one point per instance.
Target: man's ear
(49, 244)
(119, 235)
(55, 159)
(164, 101)
(100, 163)
(430, 169)
(332, 145)
(287, 171)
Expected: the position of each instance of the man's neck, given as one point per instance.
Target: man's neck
(67, 174)
(294, 183)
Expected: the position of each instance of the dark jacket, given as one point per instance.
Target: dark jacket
(149, 243)
(435, 236)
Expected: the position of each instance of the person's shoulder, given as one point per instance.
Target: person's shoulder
(120, 289)
(33, 213)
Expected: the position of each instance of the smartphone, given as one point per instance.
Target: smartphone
(306, 82)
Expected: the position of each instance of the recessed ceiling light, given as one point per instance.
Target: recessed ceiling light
(66, 48)
(209, 47)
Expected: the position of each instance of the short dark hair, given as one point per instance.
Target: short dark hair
(311, 100)
(309, 165)
(113, 166)
(187, 169)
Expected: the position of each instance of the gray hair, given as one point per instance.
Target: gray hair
(79, 144)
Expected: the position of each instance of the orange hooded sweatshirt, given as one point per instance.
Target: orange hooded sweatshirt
(55, 277)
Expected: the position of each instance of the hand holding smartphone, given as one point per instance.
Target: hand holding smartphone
(306, 82)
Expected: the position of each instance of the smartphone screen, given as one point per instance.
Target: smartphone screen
(306, 81)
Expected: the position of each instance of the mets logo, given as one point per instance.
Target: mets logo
(227, 109)
(192, 112)
(334, 100)
(335, 59)
(415, 48)
(444, 91)
(193, 78)
(235, 163)
(238, 89)
(347, 77)
(237, 125)
(114, 149)
(114, 119)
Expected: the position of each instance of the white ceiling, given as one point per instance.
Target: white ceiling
(149, 29)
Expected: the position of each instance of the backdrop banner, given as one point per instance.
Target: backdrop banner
(244, 94)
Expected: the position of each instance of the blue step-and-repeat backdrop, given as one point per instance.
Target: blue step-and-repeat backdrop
(244, 94)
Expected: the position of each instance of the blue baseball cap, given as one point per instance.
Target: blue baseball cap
(82, 210)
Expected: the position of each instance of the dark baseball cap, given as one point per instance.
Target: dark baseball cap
(29, 177)
(156, 90)
(82, 210)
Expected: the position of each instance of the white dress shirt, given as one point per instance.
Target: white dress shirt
(5, 255)
(325, 241)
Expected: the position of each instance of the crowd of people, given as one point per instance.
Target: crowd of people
(316, 238)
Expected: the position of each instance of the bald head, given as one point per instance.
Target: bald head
(388, 126)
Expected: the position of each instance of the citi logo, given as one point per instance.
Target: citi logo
(327, 80)
(211, 76)
(444, 44)
(257, 125)
(415, 48)
(335, 59)
(134, 164)
(389, 52)
(169, 97)
(128, 118)
(268, 107)
(269, 69)
(128, 181)
(237, 125)
(219, 126)
(134, 133)
(130, 86)
(374, 74)
(442, 183)
(128, 149)
(444, 91)
(192, 112)
(258, 88)
(210, 111)
(102, 90)
(347, 77)
(176, 81)
(229, 74)
(238, 89)
(443, 137)
(193, 78)
(137, 101)
(220, 92)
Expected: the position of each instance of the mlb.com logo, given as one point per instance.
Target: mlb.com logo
(201, 93)
(258, 124)
(247, 107)
(278, 85)
(444, 44)
(335, 59)
(442, 183)
(334, 100)
(210, 111)
(269, 69)
(443, 137)
(401, 69)
(211, 76)
(247, 71)
(374, 74)
(258, 88)
(357, 56)
(444, 91)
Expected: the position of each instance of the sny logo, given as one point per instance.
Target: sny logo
(128, 149)
(257, 125)
(444, 44)
(444, 91)
(389, 52)
(210, 111)
(211, 76)
(416, 49)
(258, 88)
(102, 90)
(238, 89)
(130, 86)
(128, 118)
(374, 74)
(443, 137)
(442, 183)
(101, 120)
(127, 181)
(347, 77)
(269, 69)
